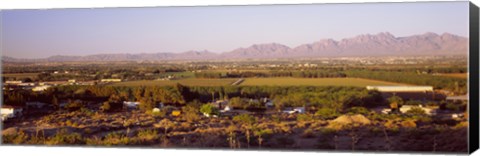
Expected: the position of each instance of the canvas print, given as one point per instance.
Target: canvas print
(381, 77)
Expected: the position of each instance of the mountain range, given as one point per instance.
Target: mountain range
(381, 44)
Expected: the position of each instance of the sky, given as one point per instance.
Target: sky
(79, 32)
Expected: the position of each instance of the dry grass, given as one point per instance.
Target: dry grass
(456, 75)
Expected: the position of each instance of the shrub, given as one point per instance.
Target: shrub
(17, 138)
(209, 109)
(391, 125)
(452, 106)
(308, 133)
(147, 135)
(408, 124)
(416, 111)
(115, 138)
(358, 110)
(190, 113)
(304, 117)
(162, 113)
(327, 131)
(74, 106)
(63, 137)
(245, 119)
(327, 113)
(276, 118)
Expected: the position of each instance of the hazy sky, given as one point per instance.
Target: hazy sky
(43, 33)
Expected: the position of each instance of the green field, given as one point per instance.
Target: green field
(281, 81)
(287, 81)
(187, 82)
(456, 75)
(21, 75)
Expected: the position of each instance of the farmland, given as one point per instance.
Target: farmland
(277, 81)
(21, 75)
(456, 75)
(286, 81)
(187, 82)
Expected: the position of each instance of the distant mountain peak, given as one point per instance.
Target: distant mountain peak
(380, 44)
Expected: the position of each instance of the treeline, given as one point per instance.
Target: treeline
(456, 85)
(296, 74)
(339, 98)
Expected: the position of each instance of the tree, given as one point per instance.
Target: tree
(190, 113)
(237, 102)
(209, 109)
(247, 122)
(260, 133)
(327, 113)
(166, 124)
(55, 102)
(395, 102)
(114, 103)
(416, 111)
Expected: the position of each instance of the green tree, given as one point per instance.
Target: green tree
(209, 109)
(327, 113)
(395, 102)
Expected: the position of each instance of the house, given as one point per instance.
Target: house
(386, 111)
(421, 93)
(428, 111)
(226, 109)
(457, 98)
(8, 112)
(13, 82)
(220, 103)
(111, 80)
(35, 104)
(40, 88)
(131, 104)
(294, 110)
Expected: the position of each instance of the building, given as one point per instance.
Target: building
(401, 88)
(421, 93)
(428, 111)
(131, 104)
(299, 110)
(457, 98)
(40, 88)
(111, 80)
(8, 112)
(13, 82)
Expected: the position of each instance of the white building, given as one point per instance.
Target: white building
(13, 82)
(111, 80)
(428, 111)
(40, 88)
(299, 110)
(131, 104)
(401, 88)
